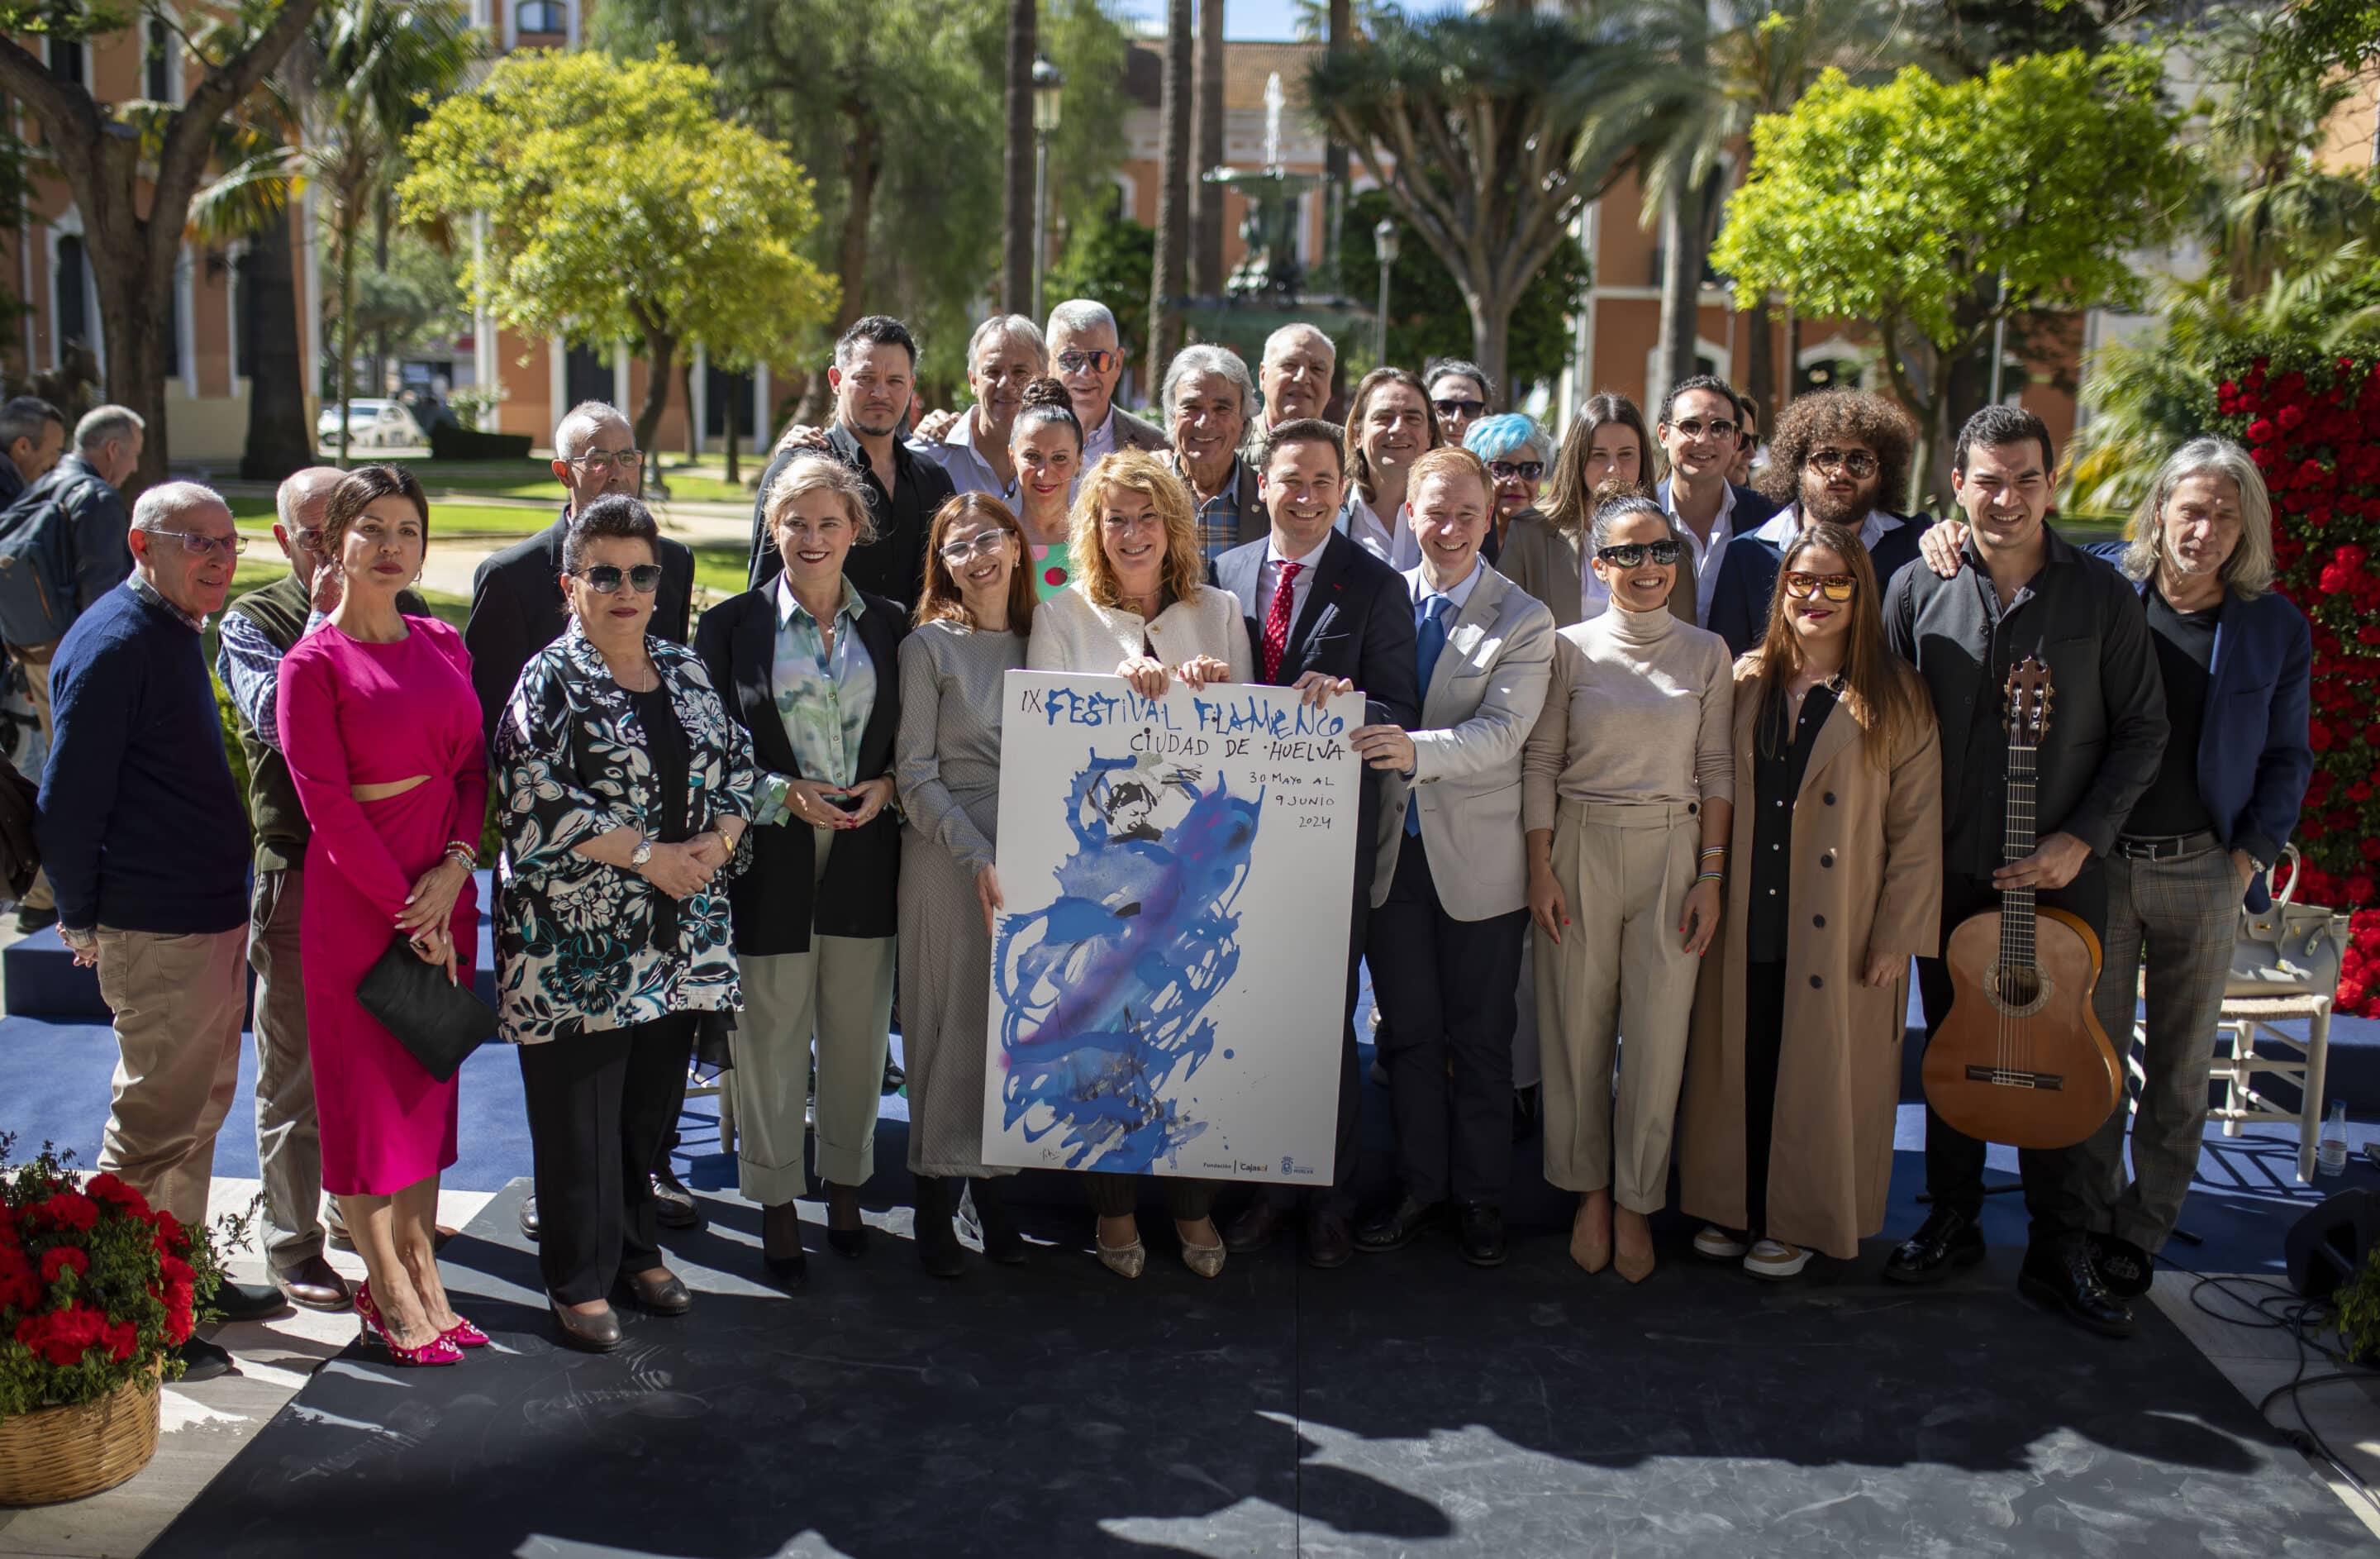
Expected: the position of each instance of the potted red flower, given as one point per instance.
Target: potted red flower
(98, 1291)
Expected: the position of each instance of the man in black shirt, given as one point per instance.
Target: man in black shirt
(2023, 591)
(874, 377)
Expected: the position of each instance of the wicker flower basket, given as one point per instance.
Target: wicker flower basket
(66, 1453)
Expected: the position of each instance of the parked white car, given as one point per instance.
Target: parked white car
(372, 424)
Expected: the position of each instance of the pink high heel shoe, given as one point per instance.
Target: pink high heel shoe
(438, 1352)
(463, 1335)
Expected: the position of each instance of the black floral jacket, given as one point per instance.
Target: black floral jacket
(575, 945)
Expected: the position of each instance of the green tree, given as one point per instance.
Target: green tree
(1109, 261)
(1936, 210)
(619, 205)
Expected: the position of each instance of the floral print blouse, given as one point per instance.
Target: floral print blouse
(576, 940)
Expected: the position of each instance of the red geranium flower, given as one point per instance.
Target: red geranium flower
(64, 1258)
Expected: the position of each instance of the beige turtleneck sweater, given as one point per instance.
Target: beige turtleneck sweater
(1642, 710)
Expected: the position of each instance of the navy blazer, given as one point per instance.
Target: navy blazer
(1747, 579)
(2254, 755)
(1357, 623)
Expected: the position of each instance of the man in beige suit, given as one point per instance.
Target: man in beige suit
(1449, 889)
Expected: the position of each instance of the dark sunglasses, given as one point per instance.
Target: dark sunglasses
(1836, 586)
(1633, 555)
(604, 580)
(1459, 407)
(1074, 361)
(1858, 464)
(1694, 427)
(1505, 470)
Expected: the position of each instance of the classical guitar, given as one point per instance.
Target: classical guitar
(2021, 1059)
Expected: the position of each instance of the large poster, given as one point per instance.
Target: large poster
(1168, 977)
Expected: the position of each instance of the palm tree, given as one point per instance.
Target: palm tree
(1016, 213)
(1166, 280)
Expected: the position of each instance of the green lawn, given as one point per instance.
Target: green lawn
(255, 515)
(704, 480)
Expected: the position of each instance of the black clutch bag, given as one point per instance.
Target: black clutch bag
(440, 1023)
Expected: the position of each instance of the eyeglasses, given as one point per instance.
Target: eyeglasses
(1505, 470)
(1459, 407)
(308, 540)
(986, 544)
(1836, 586)
(1858, 464)
(605, 459)
(604, 580)
(199, 546)
(1695, 428)
(1633, 555)
(1074, 361)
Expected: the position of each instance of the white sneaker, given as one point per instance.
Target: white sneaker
(1774, 1259)
(1715, 1244)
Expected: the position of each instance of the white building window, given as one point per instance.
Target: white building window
(541, 15)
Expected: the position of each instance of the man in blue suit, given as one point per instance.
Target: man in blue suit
(1836, 457)
(1320, 608)
(1700, 430)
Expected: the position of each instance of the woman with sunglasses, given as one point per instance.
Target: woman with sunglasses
(624, 789)
(973, 624)
(1628, 787)
(1515, 451)
(810, 665)
(1785, 1135)
(382, 731)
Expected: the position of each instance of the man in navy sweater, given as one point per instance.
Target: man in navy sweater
(145, 840)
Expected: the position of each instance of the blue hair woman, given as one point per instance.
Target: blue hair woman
(1518, 454)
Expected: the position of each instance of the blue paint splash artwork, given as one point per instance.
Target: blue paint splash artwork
(1103, 994)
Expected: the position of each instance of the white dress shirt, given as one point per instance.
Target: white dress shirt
(1722, 531)
(1393, 543)
(955, 455)
(1269, 582)
(1418, 583)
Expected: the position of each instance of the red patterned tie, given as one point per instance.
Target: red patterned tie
(1285, 597)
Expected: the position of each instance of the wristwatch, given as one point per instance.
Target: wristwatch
(641, 854)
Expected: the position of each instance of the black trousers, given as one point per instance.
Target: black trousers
(2054, 1177)
(1115, 1196)
(1763, 1041)
(1448, 987)
(600, 1105)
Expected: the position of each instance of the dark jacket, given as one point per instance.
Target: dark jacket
(893, 564)
(2107, 726)
(776, 898)
(518, 609)
(97, 524)
(1747, 579)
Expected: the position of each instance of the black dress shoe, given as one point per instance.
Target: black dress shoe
(995, 1225)
(248, 1301)
(314, 1283)
(1947, 1238)
(672, 1203)
(2058, 1277)
(894, 1078)
(2125, 1269)
(529, 1217)
(1327, 1241)
(29, 920)
(781, 1246)
(939, 1250)
(1395, 1227)
(588, 1334)
(1483, 1235)
(203, 1360)
(1254, 1229)
(669, 1296)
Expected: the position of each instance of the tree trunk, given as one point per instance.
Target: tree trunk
(380, 264)
(1763, 361)
(863, 162)
(279, 438)
(660, 357)
(1016, 205)
(1173, 197)
(347, 358)
(734, 422)
(1793, 357)
(1340, 33)
(1491, 333)
(133, 309)
(1207, 117)
(693, 433)
(1682, 278)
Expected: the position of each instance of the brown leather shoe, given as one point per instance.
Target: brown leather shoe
(668, 1297)
(588, 1334)
(314, 1283)
(1590, 1232)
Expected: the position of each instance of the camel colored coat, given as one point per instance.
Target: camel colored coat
(1866, 872)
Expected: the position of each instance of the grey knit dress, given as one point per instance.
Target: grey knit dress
(946, 762)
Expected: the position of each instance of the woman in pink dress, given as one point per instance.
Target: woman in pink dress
(381, 730)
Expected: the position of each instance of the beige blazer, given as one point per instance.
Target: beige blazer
(1073, 634)
(1476, 713)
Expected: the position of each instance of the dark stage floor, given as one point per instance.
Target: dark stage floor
(1406, 1405)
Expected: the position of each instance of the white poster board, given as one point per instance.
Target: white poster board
(1169, 974)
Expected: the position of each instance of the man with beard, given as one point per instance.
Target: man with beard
(1296, 375)
(874, 378)
(1837, 456)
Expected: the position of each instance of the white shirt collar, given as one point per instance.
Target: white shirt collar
(1418, 583)
(1786, 523)
(1722, 523)
(1274, 556)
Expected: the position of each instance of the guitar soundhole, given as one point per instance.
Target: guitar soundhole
(2019, 990)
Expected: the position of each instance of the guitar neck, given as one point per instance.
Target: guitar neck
(2017, 841)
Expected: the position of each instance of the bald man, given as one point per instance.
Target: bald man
(258, 629)
(1296, 375)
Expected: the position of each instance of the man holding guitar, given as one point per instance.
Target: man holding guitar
(2023, 591)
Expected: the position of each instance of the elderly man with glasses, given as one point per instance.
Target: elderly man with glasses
(141, 829)
(518, 609)
(258, 630)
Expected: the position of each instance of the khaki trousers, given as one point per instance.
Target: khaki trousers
(36, 662)
(288, 1134)
(1621, 967)
(179, 1002)
(839, 994)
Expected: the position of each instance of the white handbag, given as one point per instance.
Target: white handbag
(2290, 949)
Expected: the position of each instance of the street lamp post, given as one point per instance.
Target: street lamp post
(1048, 82)
(1384, 244)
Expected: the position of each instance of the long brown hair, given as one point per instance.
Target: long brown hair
(1571, 500)
(1136, 471)
(1359, 469)
(943, 596)
(1879, 689)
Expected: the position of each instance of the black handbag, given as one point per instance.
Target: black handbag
(440, 1022)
